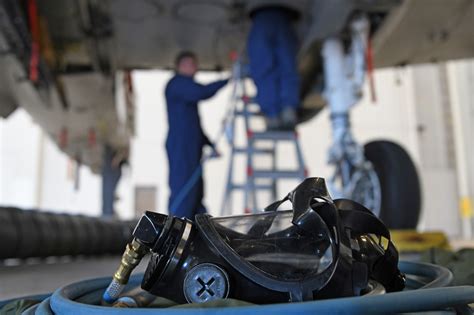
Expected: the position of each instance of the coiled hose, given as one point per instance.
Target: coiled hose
(84, 298)
(435, 275)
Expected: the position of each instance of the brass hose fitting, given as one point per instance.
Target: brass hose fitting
(132, 256)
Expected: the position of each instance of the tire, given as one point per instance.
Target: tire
(400, 185)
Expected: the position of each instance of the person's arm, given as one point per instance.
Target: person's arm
(193, 92)
(214, 153)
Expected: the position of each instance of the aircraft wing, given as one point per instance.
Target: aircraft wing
(84, 43)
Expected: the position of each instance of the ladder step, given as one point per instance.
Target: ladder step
(250, 113)
(259, 187)
(274, 135)
(249, 100)
(278, 174)
(253, 150)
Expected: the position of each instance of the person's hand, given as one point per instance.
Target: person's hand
(215, 154)
(212, 153)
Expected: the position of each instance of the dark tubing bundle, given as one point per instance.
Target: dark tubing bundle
(32, 233)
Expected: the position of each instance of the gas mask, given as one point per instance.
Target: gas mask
(321, 248)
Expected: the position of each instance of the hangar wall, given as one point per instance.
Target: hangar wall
(34, 173)
(461, 83)
(437, 156)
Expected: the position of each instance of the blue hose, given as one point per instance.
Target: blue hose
(186, 188)
(62, 302)
(84, 298)
(439, 276)
(190, 183)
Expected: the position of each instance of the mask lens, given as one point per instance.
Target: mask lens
(270, 242)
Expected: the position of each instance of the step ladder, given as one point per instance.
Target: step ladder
(244, 108)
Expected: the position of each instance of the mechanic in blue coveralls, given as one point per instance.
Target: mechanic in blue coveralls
(113, 161)
(186, 138)
(272, 48)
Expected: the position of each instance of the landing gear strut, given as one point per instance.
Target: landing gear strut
(358, 175)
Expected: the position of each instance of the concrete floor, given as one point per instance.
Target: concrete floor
(37, 277)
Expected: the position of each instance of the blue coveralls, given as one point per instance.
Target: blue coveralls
(272, 48)
(110, 178)
(186, 140)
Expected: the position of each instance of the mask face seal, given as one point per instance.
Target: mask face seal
(271, 243)
(271, 251)
(270, 257)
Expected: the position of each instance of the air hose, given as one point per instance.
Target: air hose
(237, 73)
(197, 172)
(437, 276)
(85, 297)
(135, 251)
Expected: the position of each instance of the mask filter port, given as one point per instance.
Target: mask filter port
(206, 282)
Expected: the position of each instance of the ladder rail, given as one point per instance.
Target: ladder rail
(299, 156)
(250, 193)
(227, 199)
(274, 168)
(243, 108)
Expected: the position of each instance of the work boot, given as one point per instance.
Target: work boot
(273, 123)
(288, 118)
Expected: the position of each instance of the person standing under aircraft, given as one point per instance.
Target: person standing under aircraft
(186, 138)
(272, 48)
(112, 163)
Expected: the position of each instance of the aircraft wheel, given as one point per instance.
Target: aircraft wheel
(399, 183)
